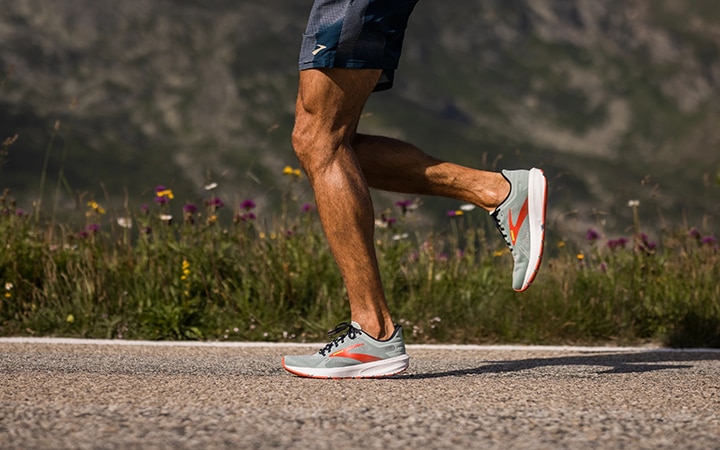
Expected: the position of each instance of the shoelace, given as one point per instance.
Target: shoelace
(352, 332)
(501, 228)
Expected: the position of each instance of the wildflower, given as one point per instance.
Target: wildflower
(633, 203)
(247, 205)
(399, 237)
(455, 213)
(185, 270)
(124, 222)
(144, 209)
(20, 212)
(244, 217)
(467, 207)
(379, 223)
(561, 244)
(8, 289)
(163, 195)
(70, 318)
(190, 209)
(592, 235)
(292, 172)
(212, 218)
(709, 240)
(406, 206)
(96, 207)
(603, 267)
(617, 243)
(92, 228)
(210, 187)
(307, 207)
(695, 234)
(580, 256)
(166, 218)
(215, 203)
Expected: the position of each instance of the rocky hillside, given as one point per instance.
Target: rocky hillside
(615, 99)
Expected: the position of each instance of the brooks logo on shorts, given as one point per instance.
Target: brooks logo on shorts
(319, 48)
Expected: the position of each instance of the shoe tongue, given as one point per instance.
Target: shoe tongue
(356, 325)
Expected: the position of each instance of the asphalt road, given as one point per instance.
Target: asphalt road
(61, 394)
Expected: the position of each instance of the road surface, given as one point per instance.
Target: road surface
(68, 394)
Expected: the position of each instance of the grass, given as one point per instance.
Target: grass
(221, 272)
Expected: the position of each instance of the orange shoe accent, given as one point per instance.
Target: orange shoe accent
(515, 227)
(360, 357)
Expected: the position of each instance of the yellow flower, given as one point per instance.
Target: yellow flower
(185, 270)
(561, 244)
(8, 295)
(292, 172)
(96, 207)
(580, 256)
(70, 318)
(165, 193)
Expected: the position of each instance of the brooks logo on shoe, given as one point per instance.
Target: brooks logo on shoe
(515, 227)
(360, 357)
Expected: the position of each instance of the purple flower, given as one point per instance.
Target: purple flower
(189, 208)
(144, 209)
(617, 243)
(244, 217)
(215, 203)
(592, 235)
(307, 207)
(19, 212)
(695, 234)
(92, 228)
(603, 267)
(709, 240)
(161, 200)
(81, 234)
(247, 205)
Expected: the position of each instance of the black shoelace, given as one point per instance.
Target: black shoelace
(352, 332)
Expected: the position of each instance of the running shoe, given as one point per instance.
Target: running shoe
(352, 355)
(521, 221)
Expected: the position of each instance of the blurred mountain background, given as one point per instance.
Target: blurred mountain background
(614, 99)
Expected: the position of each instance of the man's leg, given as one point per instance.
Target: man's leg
(393, 165)
(328, 109)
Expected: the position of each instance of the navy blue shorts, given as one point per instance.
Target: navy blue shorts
(356, 34)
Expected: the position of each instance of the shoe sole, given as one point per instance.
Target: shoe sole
(537, 209)
(378, 369)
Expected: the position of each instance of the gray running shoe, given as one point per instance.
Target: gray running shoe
(352, 355)
(521, 221)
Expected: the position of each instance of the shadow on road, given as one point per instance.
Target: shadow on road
(614, 363)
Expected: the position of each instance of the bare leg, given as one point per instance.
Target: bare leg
(328, 108)
(393, 165)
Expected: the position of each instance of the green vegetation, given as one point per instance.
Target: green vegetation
(221, 273)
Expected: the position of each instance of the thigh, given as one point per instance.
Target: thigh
(331, 100)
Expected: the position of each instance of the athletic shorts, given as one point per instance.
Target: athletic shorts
(356, 34)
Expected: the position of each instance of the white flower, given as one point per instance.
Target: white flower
(124, 222)
(380, 223)
(398, 237)
(210, 187)
(9, 286)
(633, 203)
(165, 217)
(467, 207)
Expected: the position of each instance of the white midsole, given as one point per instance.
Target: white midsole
(537, 193)
(385, 367)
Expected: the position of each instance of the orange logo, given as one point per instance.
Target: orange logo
(515, 227)
(360, 357)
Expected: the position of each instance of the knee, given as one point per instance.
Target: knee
(313, 142)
